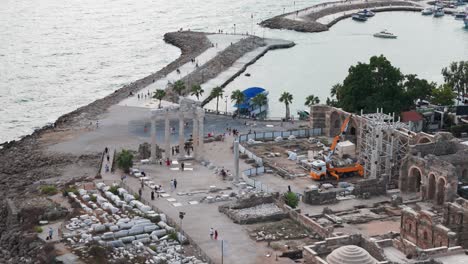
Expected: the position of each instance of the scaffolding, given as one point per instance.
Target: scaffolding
(383, 145)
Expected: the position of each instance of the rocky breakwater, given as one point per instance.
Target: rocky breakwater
(26, 162)
(306, 20)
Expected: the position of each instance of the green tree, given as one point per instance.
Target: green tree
(159, 94)
(286, 98)
(179, 87)
(456, 76)
(238, 98)
(217, 92)
(124, 160)
(373, 85)
(418, 88)
(311, 100)
(335, 89)
(291, 199)
(197, 91)
(260, 100)
(443, 95)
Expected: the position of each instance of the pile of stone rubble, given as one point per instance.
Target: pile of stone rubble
(126, 225)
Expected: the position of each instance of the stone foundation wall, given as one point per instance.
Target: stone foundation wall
(373, 187)
(314, 197)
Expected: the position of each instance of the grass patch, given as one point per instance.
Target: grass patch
(48, 189)
(173, 235)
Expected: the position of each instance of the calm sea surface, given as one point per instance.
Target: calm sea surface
(56, 56)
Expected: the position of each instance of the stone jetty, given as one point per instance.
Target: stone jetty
(321, 17)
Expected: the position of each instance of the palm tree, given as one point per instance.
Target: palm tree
(260, 100)
(286, 98)
(238, 98)
(159, 94)
(197, 91)
(179, 87)
(311, 100)
(217, 92)
(335, 91)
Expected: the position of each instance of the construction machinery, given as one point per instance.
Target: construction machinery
(332, 166)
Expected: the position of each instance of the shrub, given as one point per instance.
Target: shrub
(49, 190)
(291, 199)
(173, 235)
(125, 160)
(113, 190)
(137, 197)
(458, 129)
(69, 189)
(38, 229)
(93, 198)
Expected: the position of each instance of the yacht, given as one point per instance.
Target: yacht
(460, 14)
(385, 34)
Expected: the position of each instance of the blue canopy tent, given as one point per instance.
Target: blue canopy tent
(247, 107)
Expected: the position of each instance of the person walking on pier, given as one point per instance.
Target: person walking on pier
(140, 192)
(182, 166)
(211, 233)
(51, 232)
(175, 184)
(152, 195)
(216, 234)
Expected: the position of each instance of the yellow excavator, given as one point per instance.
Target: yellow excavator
(323, 169)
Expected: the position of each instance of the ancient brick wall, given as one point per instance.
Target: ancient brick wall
(314, 197)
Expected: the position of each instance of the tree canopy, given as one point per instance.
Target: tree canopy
(260, 100)
(159, 94)
(311, 100)
(286, 98)
(456, 76)
(197, 91)
(443, 95)
(217, 92)
(179, 87)
(125, 160)
(238, 98)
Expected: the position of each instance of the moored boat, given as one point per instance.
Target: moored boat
(439, 12)
(359, 17)
(385, 34)
(366, 13)
(460, 15)
(427, 11)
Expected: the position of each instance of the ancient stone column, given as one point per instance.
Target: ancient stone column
(201, 133)
(236, 161)
(195, 137)
(153, 140)
(181, 135)
(167, 136)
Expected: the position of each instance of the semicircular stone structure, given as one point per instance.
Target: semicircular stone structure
(350, 255)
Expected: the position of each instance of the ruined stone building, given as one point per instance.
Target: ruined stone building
(427, 230)
(433, 169)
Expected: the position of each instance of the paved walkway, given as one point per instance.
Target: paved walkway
(107, 160)
(200, 217)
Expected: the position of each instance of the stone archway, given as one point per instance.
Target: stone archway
(424, 140)
(464, 176)
(440, 197)
(335, 124)
(431, 190)
(414, 179)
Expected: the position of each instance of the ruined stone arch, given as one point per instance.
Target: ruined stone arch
(440, 197)
(431, 183)
(464, 175)
(424, 140)
(414, 179)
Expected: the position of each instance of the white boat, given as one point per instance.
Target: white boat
(385, 34)
(366, 13)
(427, 11)
(439, 12)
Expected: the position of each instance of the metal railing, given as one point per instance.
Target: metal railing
(271, 135)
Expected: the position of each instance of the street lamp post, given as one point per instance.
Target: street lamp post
(225, 100)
